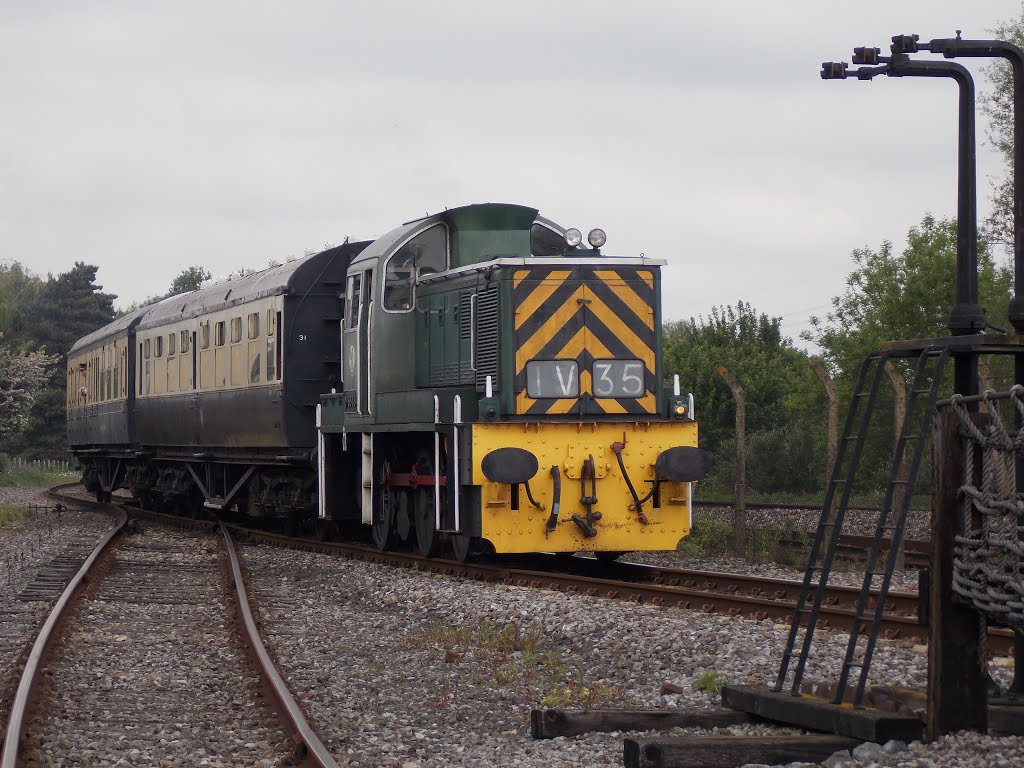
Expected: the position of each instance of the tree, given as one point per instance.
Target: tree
(19, 289)
(909, 296)
(889, 297)
(68, 306)
(997, 105)
(21, 376)
(783, 402)
(190, 279)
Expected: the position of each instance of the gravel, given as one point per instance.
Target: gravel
(151, 673)
(27, 546)
(402, 668)
(407, 669)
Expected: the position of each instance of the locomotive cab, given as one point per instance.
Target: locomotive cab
(492, 367)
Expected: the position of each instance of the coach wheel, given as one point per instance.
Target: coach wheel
(426, 531)
(608, 557)
(403, 517)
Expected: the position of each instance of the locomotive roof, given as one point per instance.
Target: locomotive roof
(122, 323)
(383, 244)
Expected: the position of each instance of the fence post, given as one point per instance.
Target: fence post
(833, 416)
(899, 388)
(739, 510)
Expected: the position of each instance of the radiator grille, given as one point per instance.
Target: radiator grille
(487, 336)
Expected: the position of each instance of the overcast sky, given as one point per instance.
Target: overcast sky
(148, 137)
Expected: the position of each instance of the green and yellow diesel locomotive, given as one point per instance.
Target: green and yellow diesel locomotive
(479, 379)
(503, 391)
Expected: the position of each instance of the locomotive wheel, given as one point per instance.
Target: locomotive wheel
(383, 519)
(403, 517)
(607, 557)
(323, 530)
(463, 545)
(426, 533)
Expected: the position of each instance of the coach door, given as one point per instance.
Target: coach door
(355, 342)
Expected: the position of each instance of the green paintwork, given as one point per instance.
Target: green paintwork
(486, 232)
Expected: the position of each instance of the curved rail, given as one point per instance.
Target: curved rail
(16, 723)
(315, 749)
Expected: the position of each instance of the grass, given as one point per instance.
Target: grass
(513, 657)
(709, 682)
(10, 513)
(712, 537)
(858, 500)
(34, 477)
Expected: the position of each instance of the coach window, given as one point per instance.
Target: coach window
(147, 349)
(236, 330)
(272, 348)
(159, 351)
(184, 342)
(254, 325)
(172, 344)
(218, 334)
(204, 335)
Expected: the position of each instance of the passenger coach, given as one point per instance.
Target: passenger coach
(479, 379)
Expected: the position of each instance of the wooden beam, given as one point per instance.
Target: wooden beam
(730, 751)
(956, 685)
(818, 714)
(551, 723)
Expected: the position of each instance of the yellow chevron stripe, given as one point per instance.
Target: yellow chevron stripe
(518, 277)
(643, 310)
(621, 330)
(562, 406)
(523, 402)
(648, 401)
(598, 350)
(540, 294)
(574, 347)
(647, 277)
(529, 348)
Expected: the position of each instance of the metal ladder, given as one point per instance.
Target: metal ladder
(826, 537)
(914, 431)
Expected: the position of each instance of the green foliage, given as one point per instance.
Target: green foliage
(709, 537)
(10, 513)
(783, 397)
(190, 279)
(903, 296)
(712, 537)
(63, 309)
(709, 681)
(997, 105)
(34, 477)
(19, 290)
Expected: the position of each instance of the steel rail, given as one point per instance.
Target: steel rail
(315, 749)
(16, 722)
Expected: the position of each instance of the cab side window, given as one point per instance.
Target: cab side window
(426, 253)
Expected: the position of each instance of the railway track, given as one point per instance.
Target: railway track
(147, 664)
(729, 593)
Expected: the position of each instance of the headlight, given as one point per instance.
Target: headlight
(573, 237)
(597, 238)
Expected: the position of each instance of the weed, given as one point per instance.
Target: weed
(10, 513)
(34, 477)
(709, 682)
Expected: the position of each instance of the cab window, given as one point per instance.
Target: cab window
(424, 254)
(546, 242)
